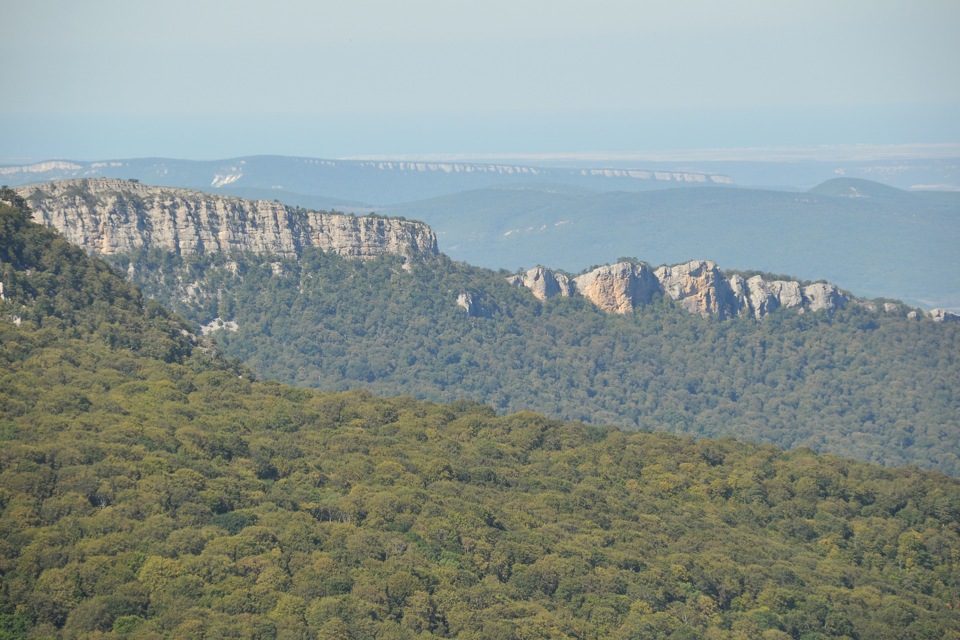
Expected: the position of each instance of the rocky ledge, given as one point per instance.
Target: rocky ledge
(697, 286)
(110, 216)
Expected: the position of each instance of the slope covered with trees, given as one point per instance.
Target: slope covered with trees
(54, 286)
(874, 386)
(149, 489)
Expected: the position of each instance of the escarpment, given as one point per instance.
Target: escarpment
(109, 216)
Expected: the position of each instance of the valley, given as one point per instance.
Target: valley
(151, 488)
(686, 349)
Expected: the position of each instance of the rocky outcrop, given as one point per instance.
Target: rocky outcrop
(942, 315)
(219, 324)
(619, 288)
(465, 302)
(760, 297)
(109, 216)
(697, 286)
(473, 305)
(823, 296)
(544, 283)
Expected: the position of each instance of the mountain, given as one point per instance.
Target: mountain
(163, 493)
(858, 188)
(873, 380)
(109, 217)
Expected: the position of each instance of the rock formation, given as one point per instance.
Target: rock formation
(761, 297)
(544, 283)
(942, 315)
(821, 296)
(619, 288)
(697, 286)
(465, 302)
(110, 216)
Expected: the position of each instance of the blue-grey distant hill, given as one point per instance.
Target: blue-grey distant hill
(861, 235)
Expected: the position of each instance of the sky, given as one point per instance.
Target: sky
(206, 79)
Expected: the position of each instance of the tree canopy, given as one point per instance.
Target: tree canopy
(874, 386)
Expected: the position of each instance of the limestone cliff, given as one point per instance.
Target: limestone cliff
(761, 297)
(544, 283)
(697, 286)
(110, 216)
(619, 288)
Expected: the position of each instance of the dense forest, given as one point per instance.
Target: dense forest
(149, 488)
(880, 387)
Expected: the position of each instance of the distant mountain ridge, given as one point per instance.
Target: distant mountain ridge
(860, 235)
(379, 182)
(858, 188)
(883, 243)
(108, 216)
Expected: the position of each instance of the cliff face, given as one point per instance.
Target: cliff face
(544, 283)
(698, 286)
(618, 288)
(111, 216)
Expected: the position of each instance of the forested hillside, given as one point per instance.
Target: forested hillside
(874, 386)
(150, 489)
(50, 284)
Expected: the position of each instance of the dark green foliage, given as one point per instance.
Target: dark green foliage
(51, 284)
(877, 387)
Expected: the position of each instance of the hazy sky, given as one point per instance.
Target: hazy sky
(214, 78)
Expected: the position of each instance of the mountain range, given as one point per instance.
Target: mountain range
(862, 236)
(116, 217)
(363, 183)
(685, 348)
(877, 241)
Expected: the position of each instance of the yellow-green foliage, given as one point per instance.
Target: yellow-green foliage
(150, 496)
(148, 499)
